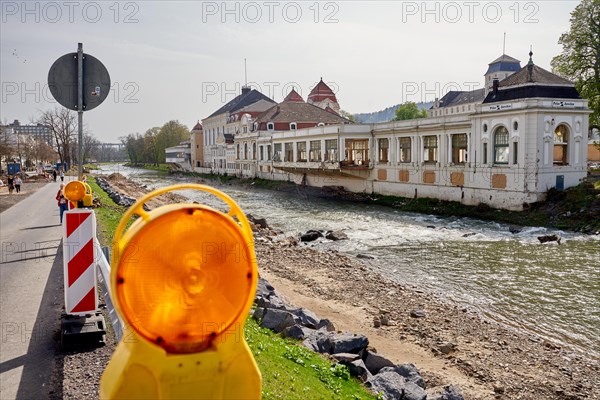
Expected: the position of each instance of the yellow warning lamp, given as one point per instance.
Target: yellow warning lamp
(80, 193)
(183, 278)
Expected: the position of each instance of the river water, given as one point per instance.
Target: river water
(547, 289)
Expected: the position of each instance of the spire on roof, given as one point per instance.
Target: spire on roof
(530, 56)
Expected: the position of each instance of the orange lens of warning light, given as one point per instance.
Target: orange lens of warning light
(184, 278)
(74, 191)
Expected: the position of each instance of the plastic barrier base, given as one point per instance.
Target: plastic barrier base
(82, 331)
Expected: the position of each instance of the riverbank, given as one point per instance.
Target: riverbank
(576, 209)
(449, 345)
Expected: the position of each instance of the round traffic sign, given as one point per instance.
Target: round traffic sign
(62, 81)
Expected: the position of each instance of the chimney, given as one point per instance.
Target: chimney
(246, 89)
(495, 84)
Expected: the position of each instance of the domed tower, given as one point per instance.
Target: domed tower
(322, 96)
(501, 68)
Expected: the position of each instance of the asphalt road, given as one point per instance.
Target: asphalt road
(31, 297)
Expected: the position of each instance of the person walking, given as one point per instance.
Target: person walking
(11, 184)
(18, 183)
(54, 174)
(62, 175)
(62, 202)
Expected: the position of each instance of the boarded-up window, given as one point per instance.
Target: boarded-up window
(457, 179)
(499, 181)
(428, 176)
(403, 176)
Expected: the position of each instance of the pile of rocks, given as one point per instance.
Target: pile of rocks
(116, 196)
(312, 235)
(401, 381)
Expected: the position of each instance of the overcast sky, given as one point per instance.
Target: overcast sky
(183, 60)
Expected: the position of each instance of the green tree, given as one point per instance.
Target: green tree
(170, 134)
(409, 110)
(152, 152)
(580, 57)
(134, 145)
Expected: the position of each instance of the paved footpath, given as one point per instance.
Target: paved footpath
(31, 297)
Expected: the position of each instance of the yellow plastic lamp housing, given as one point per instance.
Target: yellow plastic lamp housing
(185, 277)
(75, 191)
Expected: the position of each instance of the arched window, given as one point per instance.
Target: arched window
(293, 126)
(561, 145)
(245, 151)
(254, 151)
(501, 145)
(270, 126)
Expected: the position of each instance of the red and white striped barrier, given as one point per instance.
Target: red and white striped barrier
(79, 261)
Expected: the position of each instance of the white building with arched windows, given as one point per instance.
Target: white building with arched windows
(504, 146)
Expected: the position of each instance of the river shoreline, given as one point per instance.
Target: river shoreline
(450, 345)
(576, 209)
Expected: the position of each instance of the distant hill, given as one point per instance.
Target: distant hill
(385, 115)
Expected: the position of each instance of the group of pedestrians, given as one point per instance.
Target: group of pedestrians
(13, 183)
(56, 173)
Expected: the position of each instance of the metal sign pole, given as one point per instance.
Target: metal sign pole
(80, 109)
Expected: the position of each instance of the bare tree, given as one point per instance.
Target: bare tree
(63, 123)
(6, 145)
(90, 146)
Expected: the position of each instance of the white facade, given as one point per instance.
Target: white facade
(454, 158)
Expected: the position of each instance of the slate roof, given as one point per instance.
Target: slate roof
(455, 98)
(530, 82)
(259, 106)
(531, 73)
(505, 58)
(300, 112)
(197, 127)
(242, 101)
(504, 63)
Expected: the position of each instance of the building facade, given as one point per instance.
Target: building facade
(504, 145)
(197, 145)
(36, 131)
(527, 135)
